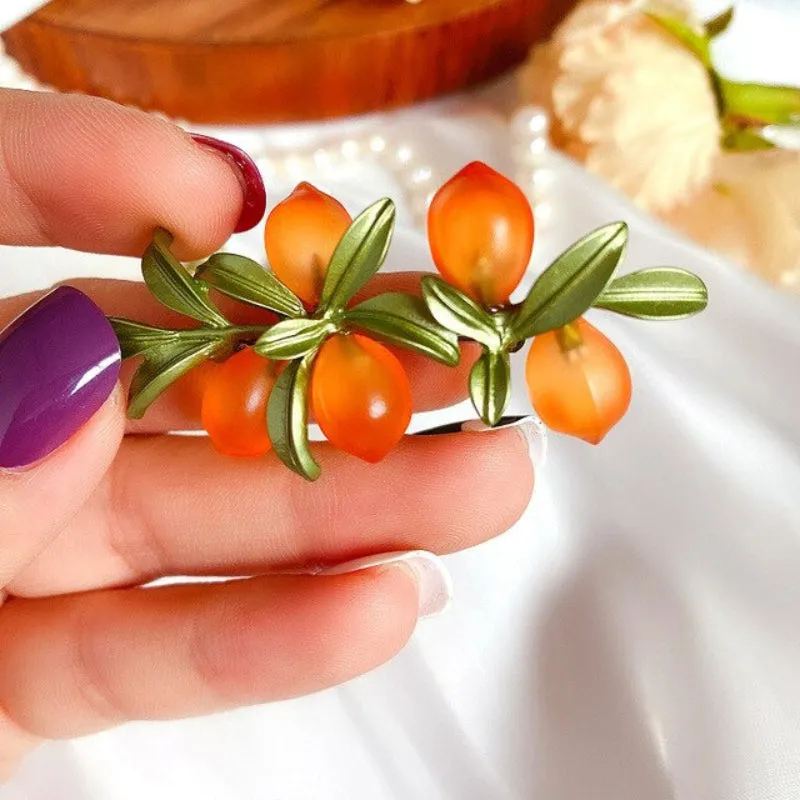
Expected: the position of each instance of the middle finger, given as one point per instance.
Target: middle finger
(172, 506)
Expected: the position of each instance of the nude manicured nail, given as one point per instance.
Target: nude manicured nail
(255, 195)
(530, 428)
(434, 585)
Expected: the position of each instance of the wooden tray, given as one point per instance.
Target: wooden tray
(239, 61)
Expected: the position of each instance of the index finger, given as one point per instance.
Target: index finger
(87, 174)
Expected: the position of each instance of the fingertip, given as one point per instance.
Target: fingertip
(254, 203)
(214, 195)
(507, 463)
(376, 616)
(480, 483)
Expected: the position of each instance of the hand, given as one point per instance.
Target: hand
(92, 511)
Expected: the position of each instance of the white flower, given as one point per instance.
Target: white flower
(629, 100)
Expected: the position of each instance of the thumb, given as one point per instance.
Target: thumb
(61, 419)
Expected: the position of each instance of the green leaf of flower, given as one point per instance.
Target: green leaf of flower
(287, 419)
(696, 42)
(358, 256)
(490, 385)
(165, 364)
(173, 286)
(458, 313)
(765, 104)
(572, 283)
(246, 280)
(135, 338)
(719, 24)
(403, 319)
(658, 293)
(293, 338)
(744, 140)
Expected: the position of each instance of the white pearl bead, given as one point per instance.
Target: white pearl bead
(537, 147)
(420, 176)
(530, 122)
(377, 144)
(536, 183)
(322, 158)
(543, 179)
(350, 149)
(530, 154)
(403, 155)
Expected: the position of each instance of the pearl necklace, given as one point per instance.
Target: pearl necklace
(528, 130)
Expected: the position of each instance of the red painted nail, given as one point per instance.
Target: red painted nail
(255, 195)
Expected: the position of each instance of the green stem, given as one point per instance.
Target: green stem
(569, 337)
(232, 330)
(767, 105)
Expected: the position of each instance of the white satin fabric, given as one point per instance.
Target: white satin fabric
(633, 637)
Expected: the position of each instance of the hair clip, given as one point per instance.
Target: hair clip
(319, 349)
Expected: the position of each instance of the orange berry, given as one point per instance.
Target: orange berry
(301, 234)
(578, 381)
(190, 388)
(360, 396)
(480, 229)
(234, 411)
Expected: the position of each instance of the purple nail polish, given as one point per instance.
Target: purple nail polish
(59, 362)
(255, 195)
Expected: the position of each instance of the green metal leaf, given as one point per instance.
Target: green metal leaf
(287, 418)
(490, 385)
(719, 24)
(458, 313)
(135, 338)
(659, 293)
(293, 338)
(164, 365)
(173, 286)
(696, 42)
(571, 284)
(246, 280)
(768, 105)
(404, 319)
(358, 256)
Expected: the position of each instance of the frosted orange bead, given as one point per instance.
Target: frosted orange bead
(360, 395)
(234, 411)
(301, 234)
(480, 230)
(582, 390)
(190, 388)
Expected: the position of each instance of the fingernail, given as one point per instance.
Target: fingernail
(255, 195)
(434, 585)
(59, 362)
(530, 428)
